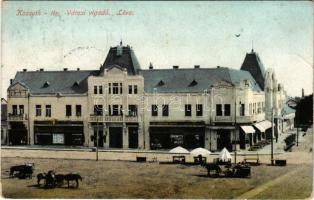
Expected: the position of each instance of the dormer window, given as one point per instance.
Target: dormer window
(76, 84)
(46, 84)
(161, 83)
(193, 83)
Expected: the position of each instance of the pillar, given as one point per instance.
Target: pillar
(207, 138)
(146, 138)
(30, 129)
(213, 141)
(140, 136)
(106, 135)
(86, 133)
(125, 137)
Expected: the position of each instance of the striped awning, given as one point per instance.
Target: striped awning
(248, 129)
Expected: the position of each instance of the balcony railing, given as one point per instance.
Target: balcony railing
(15, 117)
(108, 118)
(223, 118)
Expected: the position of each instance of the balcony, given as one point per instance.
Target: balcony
(107, 118)
(223, 119)
(15, 117)
(244, 119)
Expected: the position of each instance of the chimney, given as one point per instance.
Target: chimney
(175, 67)
(65, 69)
(78, 69)
(11, 81)
(196, 66)
(302, 92)
(41, 69)
(24, 70)
(151, 66)
(218, 66)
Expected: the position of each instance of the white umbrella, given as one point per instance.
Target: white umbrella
(224, 155)
(200, 151)
(179, 150)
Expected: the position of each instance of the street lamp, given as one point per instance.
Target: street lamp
(272, 135)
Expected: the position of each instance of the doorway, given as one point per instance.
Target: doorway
(115, 137)
(133, 137)
(224, 139)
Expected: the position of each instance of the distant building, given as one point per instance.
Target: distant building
(4, 124)
(131, 107)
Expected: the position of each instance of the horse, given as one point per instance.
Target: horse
(41, 176)
(212, 166)
(59, 178)
(73, 177)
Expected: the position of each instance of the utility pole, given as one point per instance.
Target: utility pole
(97, 132)
(272, 135)
(297, 136)
(235, 126)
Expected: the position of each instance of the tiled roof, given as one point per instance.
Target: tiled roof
(52, 82)
(253, 64)
(191, 80)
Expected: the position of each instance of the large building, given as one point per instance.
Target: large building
(122, 105)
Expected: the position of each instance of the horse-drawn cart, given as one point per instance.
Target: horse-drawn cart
(22, 171)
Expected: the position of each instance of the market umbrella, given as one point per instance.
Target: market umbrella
(179, 150)
(224, 155)
(200, 151)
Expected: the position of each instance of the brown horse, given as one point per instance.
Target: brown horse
(41, 176)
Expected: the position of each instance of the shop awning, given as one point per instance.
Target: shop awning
(221, 127)
(248, 129)
(263, 126)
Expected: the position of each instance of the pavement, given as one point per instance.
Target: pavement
(266, 150)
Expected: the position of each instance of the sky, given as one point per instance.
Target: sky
(163, 33)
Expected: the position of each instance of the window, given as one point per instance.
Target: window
(68, 110)
(121, 88)
(21, 108)
(154, 110)
(48, 110)
(121, 110)
(218, 109)
(132, 110)
(109, 110)
(98, 110)
(130, 89)
(115, 88)
(199, 109)
(14, 109)
(38, 110)
(57, 138)
(100, 89)
(109, 88)
(165, 110)
(188, 110)
(115, 110)
(135, 89)
(227, 109)
(95, 89)
(242, 109)
(78, 110)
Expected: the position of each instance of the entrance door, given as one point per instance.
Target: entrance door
(115, 137)
(224, 140)
(100, 137)
(133, 137)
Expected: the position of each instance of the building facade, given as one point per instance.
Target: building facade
(122, 105)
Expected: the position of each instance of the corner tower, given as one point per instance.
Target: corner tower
(253, 64)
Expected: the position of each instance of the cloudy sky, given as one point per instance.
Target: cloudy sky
(164, 33)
